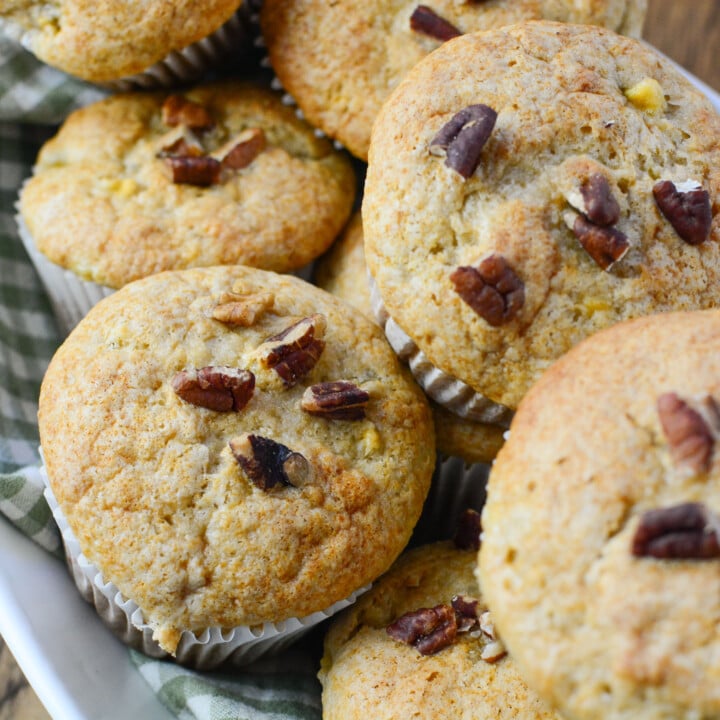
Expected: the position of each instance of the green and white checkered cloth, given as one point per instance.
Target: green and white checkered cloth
(284, 688)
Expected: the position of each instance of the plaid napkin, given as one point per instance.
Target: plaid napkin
(284, 688)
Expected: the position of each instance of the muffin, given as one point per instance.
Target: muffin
(139, 183)
(601, 552)
(374, 668)
(130, 44)
(342, 272)
(231, 447)
(340, 61)
(527, 187)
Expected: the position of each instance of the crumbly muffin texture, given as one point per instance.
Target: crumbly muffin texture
(153, 491)
(341, 60)
(572, 102)
(608, 609)
(342, 272)
(104, 203)
(103, 40)
(367, 674)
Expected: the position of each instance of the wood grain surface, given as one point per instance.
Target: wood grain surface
(689, 32)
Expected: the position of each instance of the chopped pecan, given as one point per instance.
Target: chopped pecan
(243, 310)
(294, 352)
(466, 612)
(427, 629)
(178, 110)
(180, 142)
(240, 151)
(337, 400)
(680, 532)
(595, 201)
(216, 388)
(493, 651)
(190, 170)
(268, 463)
(605, 245)
(487, 625)
(467, 535)
(463, 137)
(691, 440)
(426, 21)
(493, 289)
(687, 209)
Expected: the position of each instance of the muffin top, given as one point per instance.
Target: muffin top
(601, 552)
(366, 673)
(561, 208)
(103, 40)
(139, 183)
(232, 446)
(341, 60)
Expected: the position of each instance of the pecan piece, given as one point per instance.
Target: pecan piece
(180, 142)
(191, 170)
(294, 352)
(687, 208)
(268, 463)
(337, 400)
(493, 289)
(605, 245)
(178, 110)
(240, 151)
(467, 535)
(679, 532)
(493, 651)
(427, 629)
(463, 137)
(426, 21)
(466, 612)
(243, 310)
(216, 388)
(596, 201)
(691, 440)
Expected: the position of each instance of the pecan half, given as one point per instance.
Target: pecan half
(687, 208)
(191, 170)
(240, 151)
(462, 138)
(427, 629)
(294, 352)
(493, 289)
(426, 21)
(268, 463)
(467, 535)
(216, 388)
(605, 245)
(178, 110)
(337, 400)
(595, 201)
(243, 310)
(691, 440)
(680, 532)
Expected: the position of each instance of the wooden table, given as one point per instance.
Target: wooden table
(687, 32)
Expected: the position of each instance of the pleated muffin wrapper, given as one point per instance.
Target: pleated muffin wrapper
(70, 296)
(210, 649)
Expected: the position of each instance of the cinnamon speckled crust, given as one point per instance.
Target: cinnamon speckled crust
(603, 634)
(102, 40)
(341, 60)
(342, 272)
(153, 493)
(102, 204)
(563, 114)
(367, 674)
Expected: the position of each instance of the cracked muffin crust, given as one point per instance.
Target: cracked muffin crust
(341, 60)
(560, 229)
(600, 558)
(208, 459)
(119, 193)
(365, 673)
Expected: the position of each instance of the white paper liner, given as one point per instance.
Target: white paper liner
(213, 647)
(444, 389)
(71, 297)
